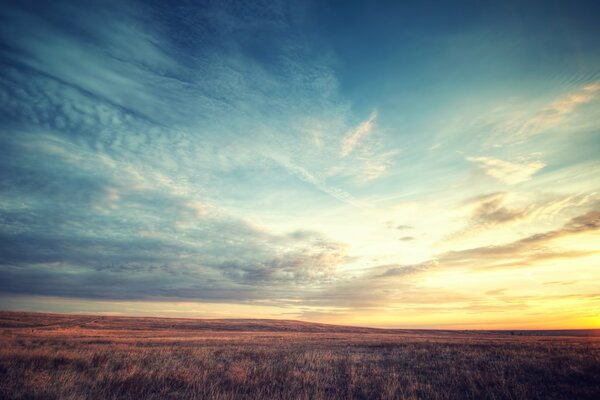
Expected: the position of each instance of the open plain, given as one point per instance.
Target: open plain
(53, 356)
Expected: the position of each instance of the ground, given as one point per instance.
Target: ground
(53, 356)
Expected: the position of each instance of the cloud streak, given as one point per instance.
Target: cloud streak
(506, 172)
(527, 250)
(358, 133)
(555, 113)
(320, 184)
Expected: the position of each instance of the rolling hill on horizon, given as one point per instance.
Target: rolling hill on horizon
(31, 320)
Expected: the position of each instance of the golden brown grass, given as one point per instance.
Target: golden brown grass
(80, 357)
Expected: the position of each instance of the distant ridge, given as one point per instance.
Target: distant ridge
(17, 319)
(46, 321)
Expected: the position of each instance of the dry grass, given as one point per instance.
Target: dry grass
(78, 357)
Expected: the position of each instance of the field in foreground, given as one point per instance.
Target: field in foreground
(51, 356)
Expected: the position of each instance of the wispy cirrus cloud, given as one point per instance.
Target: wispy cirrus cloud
(527, 250)
(319, 183)
(555, 113)
(509, 173)
(358, 133)
(516, 121)
(369, 159)
(375, 165)
(393, 271)
(493, 212)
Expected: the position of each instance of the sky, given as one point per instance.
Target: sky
(389, 164)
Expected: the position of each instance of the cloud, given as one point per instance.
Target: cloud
(320, 184)
(509, 173)
(375, 165)
(403, 227)
(356, 134)
(527, 250)
(554, 113)
(370, 160)
(514, 122)
(139, 160)
(489, 210)
(208, 261)
(123, 170)
(403, 270)
(554, 207)
(385, 286)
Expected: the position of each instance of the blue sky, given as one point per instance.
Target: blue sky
(375, 163)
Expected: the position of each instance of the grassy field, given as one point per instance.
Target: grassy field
(48, 356)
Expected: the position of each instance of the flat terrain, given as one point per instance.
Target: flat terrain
(53, 356)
